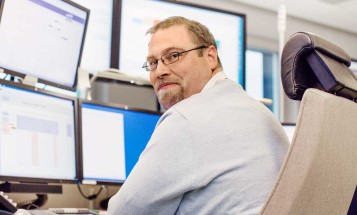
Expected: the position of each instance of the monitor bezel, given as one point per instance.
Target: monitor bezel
(117, 31)
(46, 81)
(109, 105)
(1, 8)
(74, 100)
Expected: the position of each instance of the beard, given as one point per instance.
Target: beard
(168, 98)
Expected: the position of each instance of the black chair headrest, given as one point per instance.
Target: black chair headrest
(309, 61)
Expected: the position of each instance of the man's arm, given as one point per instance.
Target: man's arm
(163, 173)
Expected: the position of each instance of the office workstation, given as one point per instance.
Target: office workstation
(70, 140)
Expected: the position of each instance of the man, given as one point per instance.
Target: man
(215, 150)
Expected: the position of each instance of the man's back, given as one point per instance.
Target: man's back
(239, 148)
(217, 152)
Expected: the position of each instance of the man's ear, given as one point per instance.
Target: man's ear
(212, 57)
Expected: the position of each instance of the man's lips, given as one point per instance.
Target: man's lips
(166, 85)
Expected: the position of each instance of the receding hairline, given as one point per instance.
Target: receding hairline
(197, 30)
(171, 21)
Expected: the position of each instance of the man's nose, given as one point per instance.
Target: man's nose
(161, 69)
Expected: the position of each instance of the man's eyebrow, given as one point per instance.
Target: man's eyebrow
(170, 49)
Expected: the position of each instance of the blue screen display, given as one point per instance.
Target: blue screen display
(115, 137)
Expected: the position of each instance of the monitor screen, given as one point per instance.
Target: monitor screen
(97, 47)
(138, 16)
(112, 139)
(289, 130)
(38, 137)
(43, 39)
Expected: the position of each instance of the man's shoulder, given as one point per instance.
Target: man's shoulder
(220, 94)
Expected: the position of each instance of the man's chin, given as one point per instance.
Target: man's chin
(166, 104)
(169, 99)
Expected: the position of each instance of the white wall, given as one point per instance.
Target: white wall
(262, 26)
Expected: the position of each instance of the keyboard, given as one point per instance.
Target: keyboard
(34, 212)
(72, 211)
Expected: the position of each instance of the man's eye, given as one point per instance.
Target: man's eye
(173, 56)
(153, 62)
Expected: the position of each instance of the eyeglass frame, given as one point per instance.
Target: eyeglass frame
(147, 64)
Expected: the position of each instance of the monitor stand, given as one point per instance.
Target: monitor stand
(30, 188)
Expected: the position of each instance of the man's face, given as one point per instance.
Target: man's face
(187, 76)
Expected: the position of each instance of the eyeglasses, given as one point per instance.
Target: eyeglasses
(166, 59)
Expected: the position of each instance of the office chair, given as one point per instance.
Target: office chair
(319, 174)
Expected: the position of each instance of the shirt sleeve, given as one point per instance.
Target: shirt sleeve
(163, 173)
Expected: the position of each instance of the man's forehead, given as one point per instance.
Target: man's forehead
(173, 33)
(168, 39)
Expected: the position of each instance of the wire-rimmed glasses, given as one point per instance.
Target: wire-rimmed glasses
(166, 59)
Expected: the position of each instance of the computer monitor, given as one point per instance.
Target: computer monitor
(112, 139)
(42, 39)
(38, 135)
(97, 48)
(228, 28)
(289, 130)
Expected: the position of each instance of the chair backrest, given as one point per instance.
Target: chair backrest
(319, 174)
(309, 61)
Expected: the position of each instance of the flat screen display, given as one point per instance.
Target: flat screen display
(112, 139)
(97, 47)
(38, 135)
(43, 39)
(137, 16)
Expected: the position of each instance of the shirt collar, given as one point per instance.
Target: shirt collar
(217, 77)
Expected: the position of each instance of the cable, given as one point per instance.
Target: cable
(32, 206)
(104, 203)
(91, 197)
(35, 203)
